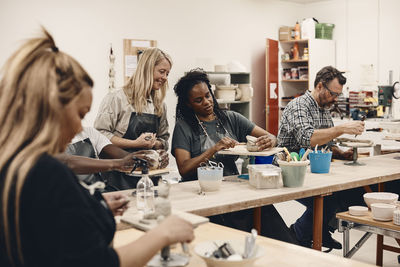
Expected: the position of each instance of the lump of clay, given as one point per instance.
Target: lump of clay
(156, 159)
(251, 143)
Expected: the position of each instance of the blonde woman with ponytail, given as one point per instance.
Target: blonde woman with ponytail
(46, 217)
(135, 117)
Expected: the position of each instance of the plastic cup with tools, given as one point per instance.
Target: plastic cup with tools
(210, 177)
(293, 172)
(320, 162)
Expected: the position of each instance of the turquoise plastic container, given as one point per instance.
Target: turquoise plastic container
(320, 162)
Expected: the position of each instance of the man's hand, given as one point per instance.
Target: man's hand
(125, 164)
(354, 127)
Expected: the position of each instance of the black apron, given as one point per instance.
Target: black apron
(85, 148)
(138, 124)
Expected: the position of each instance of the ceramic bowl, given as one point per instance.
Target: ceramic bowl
(380, 197)
(205, 249)
(382, 211)
(358, 210)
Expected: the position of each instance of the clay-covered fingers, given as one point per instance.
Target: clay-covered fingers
(347, 155)
(177, 229)
(146, 140)
(226, 142)
(265, 142)
(126, 163)
(163, 158)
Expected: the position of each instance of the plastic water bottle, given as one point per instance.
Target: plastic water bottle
(145, 193)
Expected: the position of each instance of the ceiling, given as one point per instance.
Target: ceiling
(304, 1)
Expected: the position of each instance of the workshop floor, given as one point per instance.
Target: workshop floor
(291, 210)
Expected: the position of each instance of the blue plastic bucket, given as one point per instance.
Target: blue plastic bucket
(320, 162)
(263, 159)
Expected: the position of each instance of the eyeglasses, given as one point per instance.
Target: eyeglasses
(334, 94)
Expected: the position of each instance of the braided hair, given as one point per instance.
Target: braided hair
(182, 89)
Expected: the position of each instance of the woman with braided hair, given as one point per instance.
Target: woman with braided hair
(201, 130)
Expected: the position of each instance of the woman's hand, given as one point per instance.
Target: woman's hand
(117, 202)
(225, 143)
(146, 140)
(125, 164)
(266, 141)
(175, 229)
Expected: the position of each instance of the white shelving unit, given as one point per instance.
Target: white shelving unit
(242, 107)
(321, 53)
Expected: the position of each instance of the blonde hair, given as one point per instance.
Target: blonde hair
(37, 82)
(140, 84)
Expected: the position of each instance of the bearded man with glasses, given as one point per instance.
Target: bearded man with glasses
(307, 122)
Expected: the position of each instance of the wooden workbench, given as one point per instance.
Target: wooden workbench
(237, 194)
(367, 224)
(277, 253)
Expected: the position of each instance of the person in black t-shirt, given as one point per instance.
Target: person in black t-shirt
(201, 130)
(46, 217)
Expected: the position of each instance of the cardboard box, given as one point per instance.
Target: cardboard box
(285, 33)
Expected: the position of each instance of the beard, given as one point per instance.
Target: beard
(327, 105)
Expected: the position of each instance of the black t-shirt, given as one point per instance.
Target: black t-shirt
(61, 223)
(185, 138)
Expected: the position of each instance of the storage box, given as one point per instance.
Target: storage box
(324, 31)
(264, 175)
(285, 33)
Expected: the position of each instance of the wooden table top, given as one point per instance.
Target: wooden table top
(237, 194)
(277, 253)
(368, 220)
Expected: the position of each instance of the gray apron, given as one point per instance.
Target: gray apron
(138, 124)
(85, 148)
(208, 139)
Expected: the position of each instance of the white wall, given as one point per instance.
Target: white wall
(190, 31)
(366, 32)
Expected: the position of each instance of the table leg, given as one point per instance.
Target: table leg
(379, 250)
(381, 187)
(346, 240)
(318, 221)
(257, 219)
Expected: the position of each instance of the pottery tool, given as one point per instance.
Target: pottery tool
(288, 158)
(295, 156)
(301, 152)
(362, 119)
(306, 154)
(316, 148)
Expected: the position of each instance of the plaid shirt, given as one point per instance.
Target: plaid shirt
(299, 119)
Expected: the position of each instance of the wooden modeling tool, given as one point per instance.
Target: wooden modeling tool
(288, 158)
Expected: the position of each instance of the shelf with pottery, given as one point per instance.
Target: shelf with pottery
(233, 91)
(299, 71)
